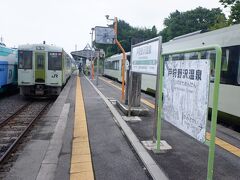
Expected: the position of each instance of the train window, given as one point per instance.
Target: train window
(178, 57)
(68, 62)
(166, 58)
(107, 65)
(54, 61)
(225, 59)
(40, 61)
(115, 65)
(212, 56)
(191, 56)
(203, 54)
(25, 59)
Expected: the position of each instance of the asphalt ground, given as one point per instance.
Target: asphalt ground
(188, 158)
(112, 156)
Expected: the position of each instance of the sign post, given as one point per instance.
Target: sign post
(183, 78)
(107, 35)
(145, 60)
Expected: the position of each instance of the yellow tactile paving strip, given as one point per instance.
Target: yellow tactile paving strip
(225, 145)
(81, 162)
(229, 147)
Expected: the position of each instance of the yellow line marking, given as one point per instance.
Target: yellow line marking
(110, 82)
(229, 147)
(148, 103)
(81, 162)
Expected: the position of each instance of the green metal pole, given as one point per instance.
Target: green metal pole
(211, 153)
(159, 119)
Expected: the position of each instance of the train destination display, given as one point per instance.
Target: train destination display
(144, 58)
(185, 103)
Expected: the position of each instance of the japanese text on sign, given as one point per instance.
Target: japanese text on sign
(185, 73)
(145, 57)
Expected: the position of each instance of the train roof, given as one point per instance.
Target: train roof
(2, 44)
(5, 51)
(228, 36)
(36, 47)
(116, 56)
(224, 37)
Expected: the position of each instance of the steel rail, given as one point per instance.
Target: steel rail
(5, 121)
(15, 143)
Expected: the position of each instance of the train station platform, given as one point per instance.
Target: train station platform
(84, 136)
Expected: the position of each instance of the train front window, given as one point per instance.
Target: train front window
(25, 59)
(54, 61)
(40, 62)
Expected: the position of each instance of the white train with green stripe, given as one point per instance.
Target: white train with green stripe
(43, 69)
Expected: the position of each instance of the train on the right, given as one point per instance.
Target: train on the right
(228, 39)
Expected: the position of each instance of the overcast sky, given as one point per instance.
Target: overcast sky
(69, 22)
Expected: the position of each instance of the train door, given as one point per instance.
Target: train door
(40, 59)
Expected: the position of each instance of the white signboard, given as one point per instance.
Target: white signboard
(145, 57)
(185, 89)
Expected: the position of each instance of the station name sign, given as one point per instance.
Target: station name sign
(186, 87)
(145, 56)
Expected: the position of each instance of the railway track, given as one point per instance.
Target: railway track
(13, 129)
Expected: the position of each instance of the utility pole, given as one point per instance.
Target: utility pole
(98, 56)
(123, 58)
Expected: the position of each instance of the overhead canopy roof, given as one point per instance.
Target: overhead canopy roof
(87, 53)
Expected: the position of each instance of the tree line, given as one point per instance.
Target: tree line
(176, 24)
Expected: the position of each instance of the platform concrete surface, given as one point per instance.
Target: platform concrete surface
(112, 156)
(30, 163)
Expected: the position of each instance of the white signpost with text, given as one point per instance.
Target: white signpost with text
(185, 95)
(145, 57)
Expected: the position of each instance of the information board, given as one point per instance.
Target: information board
(104, 35)
(185, 92)
(145, 57)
